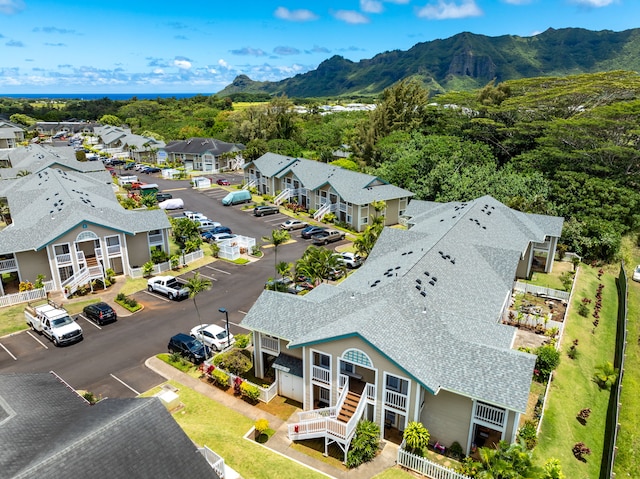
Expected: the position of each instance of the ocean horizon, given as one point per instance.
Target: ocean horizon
(99, 96)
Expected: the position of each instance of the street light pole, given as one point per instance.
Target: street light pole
(226, 314)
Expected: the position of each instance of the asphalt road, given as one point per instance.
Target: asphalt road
(110, 360)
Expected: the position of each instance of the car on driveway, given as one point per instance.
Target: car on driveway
(326, 237)
(266, 210)
(350, 260)
(163, 197)
(293, 225)
(152, 169)
(188, 347)
(218, 237)
(100, 313)
(311, 230)
(636, 273)
(208, 234)
(222, 182)
(213, 336)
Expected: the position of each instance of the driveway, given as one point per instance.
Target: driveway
(110, 360)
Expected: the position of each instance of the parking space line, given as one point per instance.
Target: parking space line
(208, 277)
(8, 352)
(242, 312)
(216, 269)
(89, 321)
(38, 340)
(157, 296)
(239, 325)
(175, 189)
(274, 220)
(125, 384)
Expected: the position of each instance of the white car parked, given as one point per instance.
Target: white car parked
(213, 336)
(636, 273)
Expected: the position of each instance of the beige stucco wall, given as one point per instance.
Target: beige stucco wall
(447, 416)
(521, 271)
(33, 263)
(138, 248)
(296, 352)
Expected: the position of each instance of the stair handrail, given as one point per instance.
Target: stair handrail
(284, 194)
(353, 421)
(322, 211)
(343, 396)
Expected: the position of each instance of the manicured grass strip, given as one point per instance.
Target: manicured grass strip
(573, 387)
(627, 462)
(221, 429)
(395, 473)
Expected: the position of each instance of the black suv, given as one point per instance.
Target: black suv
(266, 210)
(189, 347)
(101, 313)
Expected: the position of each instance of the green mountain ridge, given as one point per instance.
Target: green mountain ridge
(463, 62)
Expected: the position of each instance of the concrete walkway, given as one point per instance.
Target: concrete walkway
(279, 443)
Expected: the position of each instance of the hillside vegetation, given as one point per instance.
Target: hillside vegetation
(465, 61)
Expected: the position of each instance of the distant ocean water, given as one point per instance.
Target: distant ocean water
(98, 96)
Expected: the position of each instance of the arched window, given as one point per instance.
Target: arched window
(86, 236)
(357, 357)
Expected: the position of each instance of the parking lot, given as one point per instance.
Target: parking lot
(109, 361)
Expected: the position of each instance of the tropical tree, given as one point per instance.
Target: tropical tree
(196, 285)
(367, 240)
(416, 437)
(112, 120)
(184, 229)
(606, 375)
(318, 264)
(277, 238)
(284, 269)
(506, 462)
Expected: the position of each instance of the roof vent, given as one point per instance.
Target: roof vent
(426, 273)
(418, 287)
(432, 283)
(424, 295)
(434, 278)
(419, 281)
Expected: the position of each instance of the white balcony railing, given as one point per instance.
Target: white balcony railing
(114, 250)
(63, 258)
(155, 238)
(8, 265)
(269, 344)
(395, 400)
(321, 374)
(343, 380)
(370, 391)
(490, 414)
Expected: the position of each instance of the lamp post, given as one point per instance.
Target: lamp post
(226, 314)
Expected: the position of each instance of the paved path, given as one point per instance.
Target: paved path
(279, 442)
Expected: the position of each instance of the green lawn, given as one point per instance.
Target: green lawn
(395, 473)
(221, 429)
(573, 387)
(627, 463)
(551, 280)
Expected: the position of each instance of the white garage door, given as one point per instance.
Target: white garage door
(290, 386)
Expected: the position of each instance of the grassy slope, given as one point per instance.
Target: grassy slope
(573, 387)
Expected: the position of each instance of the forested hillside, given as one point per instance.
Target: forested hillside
(566, 146)
(462, 62)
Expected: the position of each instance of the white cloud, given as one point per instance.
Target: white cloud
(158, 71)
(223, 64)
(301, 15)
(594, 3)
(350, 16)
(9, 7)
(444, 10)
(182, 63)
(517, 2)
(371, 6)
(398, 2)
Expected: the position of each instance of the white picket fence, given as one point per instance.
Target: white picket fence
(426, 467)
(540, 291)
(215, 461)
(166, 266)
(26, 296)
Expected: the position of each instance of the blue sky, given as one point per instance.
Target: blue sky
(193, 46)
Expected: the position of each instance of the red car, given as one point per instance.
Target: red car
(223, 182)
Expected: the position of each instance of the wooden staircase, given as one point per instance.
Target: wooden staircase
(349, 406)
(91, 261)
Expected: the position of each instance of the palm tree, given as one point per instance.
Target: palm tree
(606, 375)
(197, 285)
(284, 269)
(277, 238)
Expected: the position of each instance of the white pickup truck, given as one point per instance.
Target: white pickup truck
(54, 322)
(169, 286)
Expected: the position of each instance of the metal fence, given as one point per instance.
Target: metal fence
(612, 427)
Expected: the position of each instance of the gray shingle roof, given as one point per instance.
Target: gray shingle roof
(353, 187)
(35, 158)
(47, 204)
(200, 146)
(47, 431)
(428, 298)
